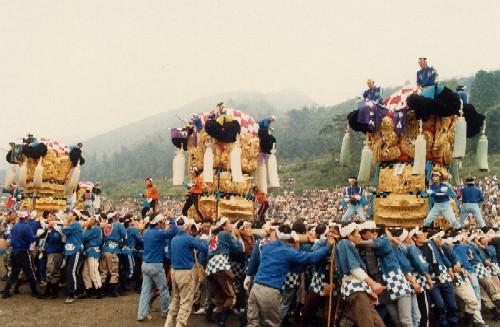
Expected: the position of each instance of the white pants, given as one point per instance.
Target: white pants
(91, 274)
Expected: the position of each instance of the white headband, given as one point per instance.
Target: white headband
(292, 236)
(346, 230)
(369, 224)
(440, 235)
(221, 222)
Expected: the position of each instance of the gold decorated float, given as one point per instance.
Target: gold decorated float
(44, 170)
(413, 132)
(227, 147)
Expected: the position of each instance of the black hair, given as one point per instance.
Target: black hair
(432, 232)
(299, 227)
(239, 224)
(103, 216)
(396, 232)
(320, 229)
(286, 229)
(45, 214)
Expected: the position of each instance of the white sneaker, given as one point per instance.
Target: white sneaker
(200, 311)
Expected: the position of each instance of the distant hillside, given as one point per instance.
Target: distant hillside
(256, 104)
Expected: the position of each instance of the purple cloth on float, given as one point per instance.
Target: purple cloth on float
(371, 114)
(399, 119)
(178, 133)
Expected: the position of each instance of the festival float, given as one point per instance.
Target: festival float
(234, 153)
(407, 136)
(46, 170)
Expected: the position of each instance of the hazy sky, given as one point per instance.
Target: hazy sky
(71, 69)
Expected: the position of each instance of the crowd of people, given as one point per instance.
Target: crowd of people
(302, 265)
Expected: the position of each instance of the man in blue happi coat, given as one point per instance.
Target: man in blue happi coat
(427, 75)
(373, 92)
(471, 200)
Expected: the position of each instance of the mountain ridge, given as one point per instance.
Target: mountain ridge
(254, 103)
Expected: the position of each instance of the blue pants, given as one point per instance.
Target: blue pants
(153, 274)
(445, 304)
(42, 268)
(423, 305)
(21, 260)
(287, 301)
(446, 210)
(471, 208)
(351, 209)
(74, 264)
(128, 266)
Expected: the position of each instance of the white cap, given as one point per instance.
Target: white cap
(245, 223)
(221, 222)
(268, 226)
(439, 234)
(23, 214)
(451, 240)
(159, 217)
(348, 229)
(369, 224)
(332, 223)
(292, 236)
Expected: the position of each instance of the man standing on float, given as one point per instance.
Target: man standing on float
(353, 195)
(438, 191)
(471, 198)
(427, 75)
